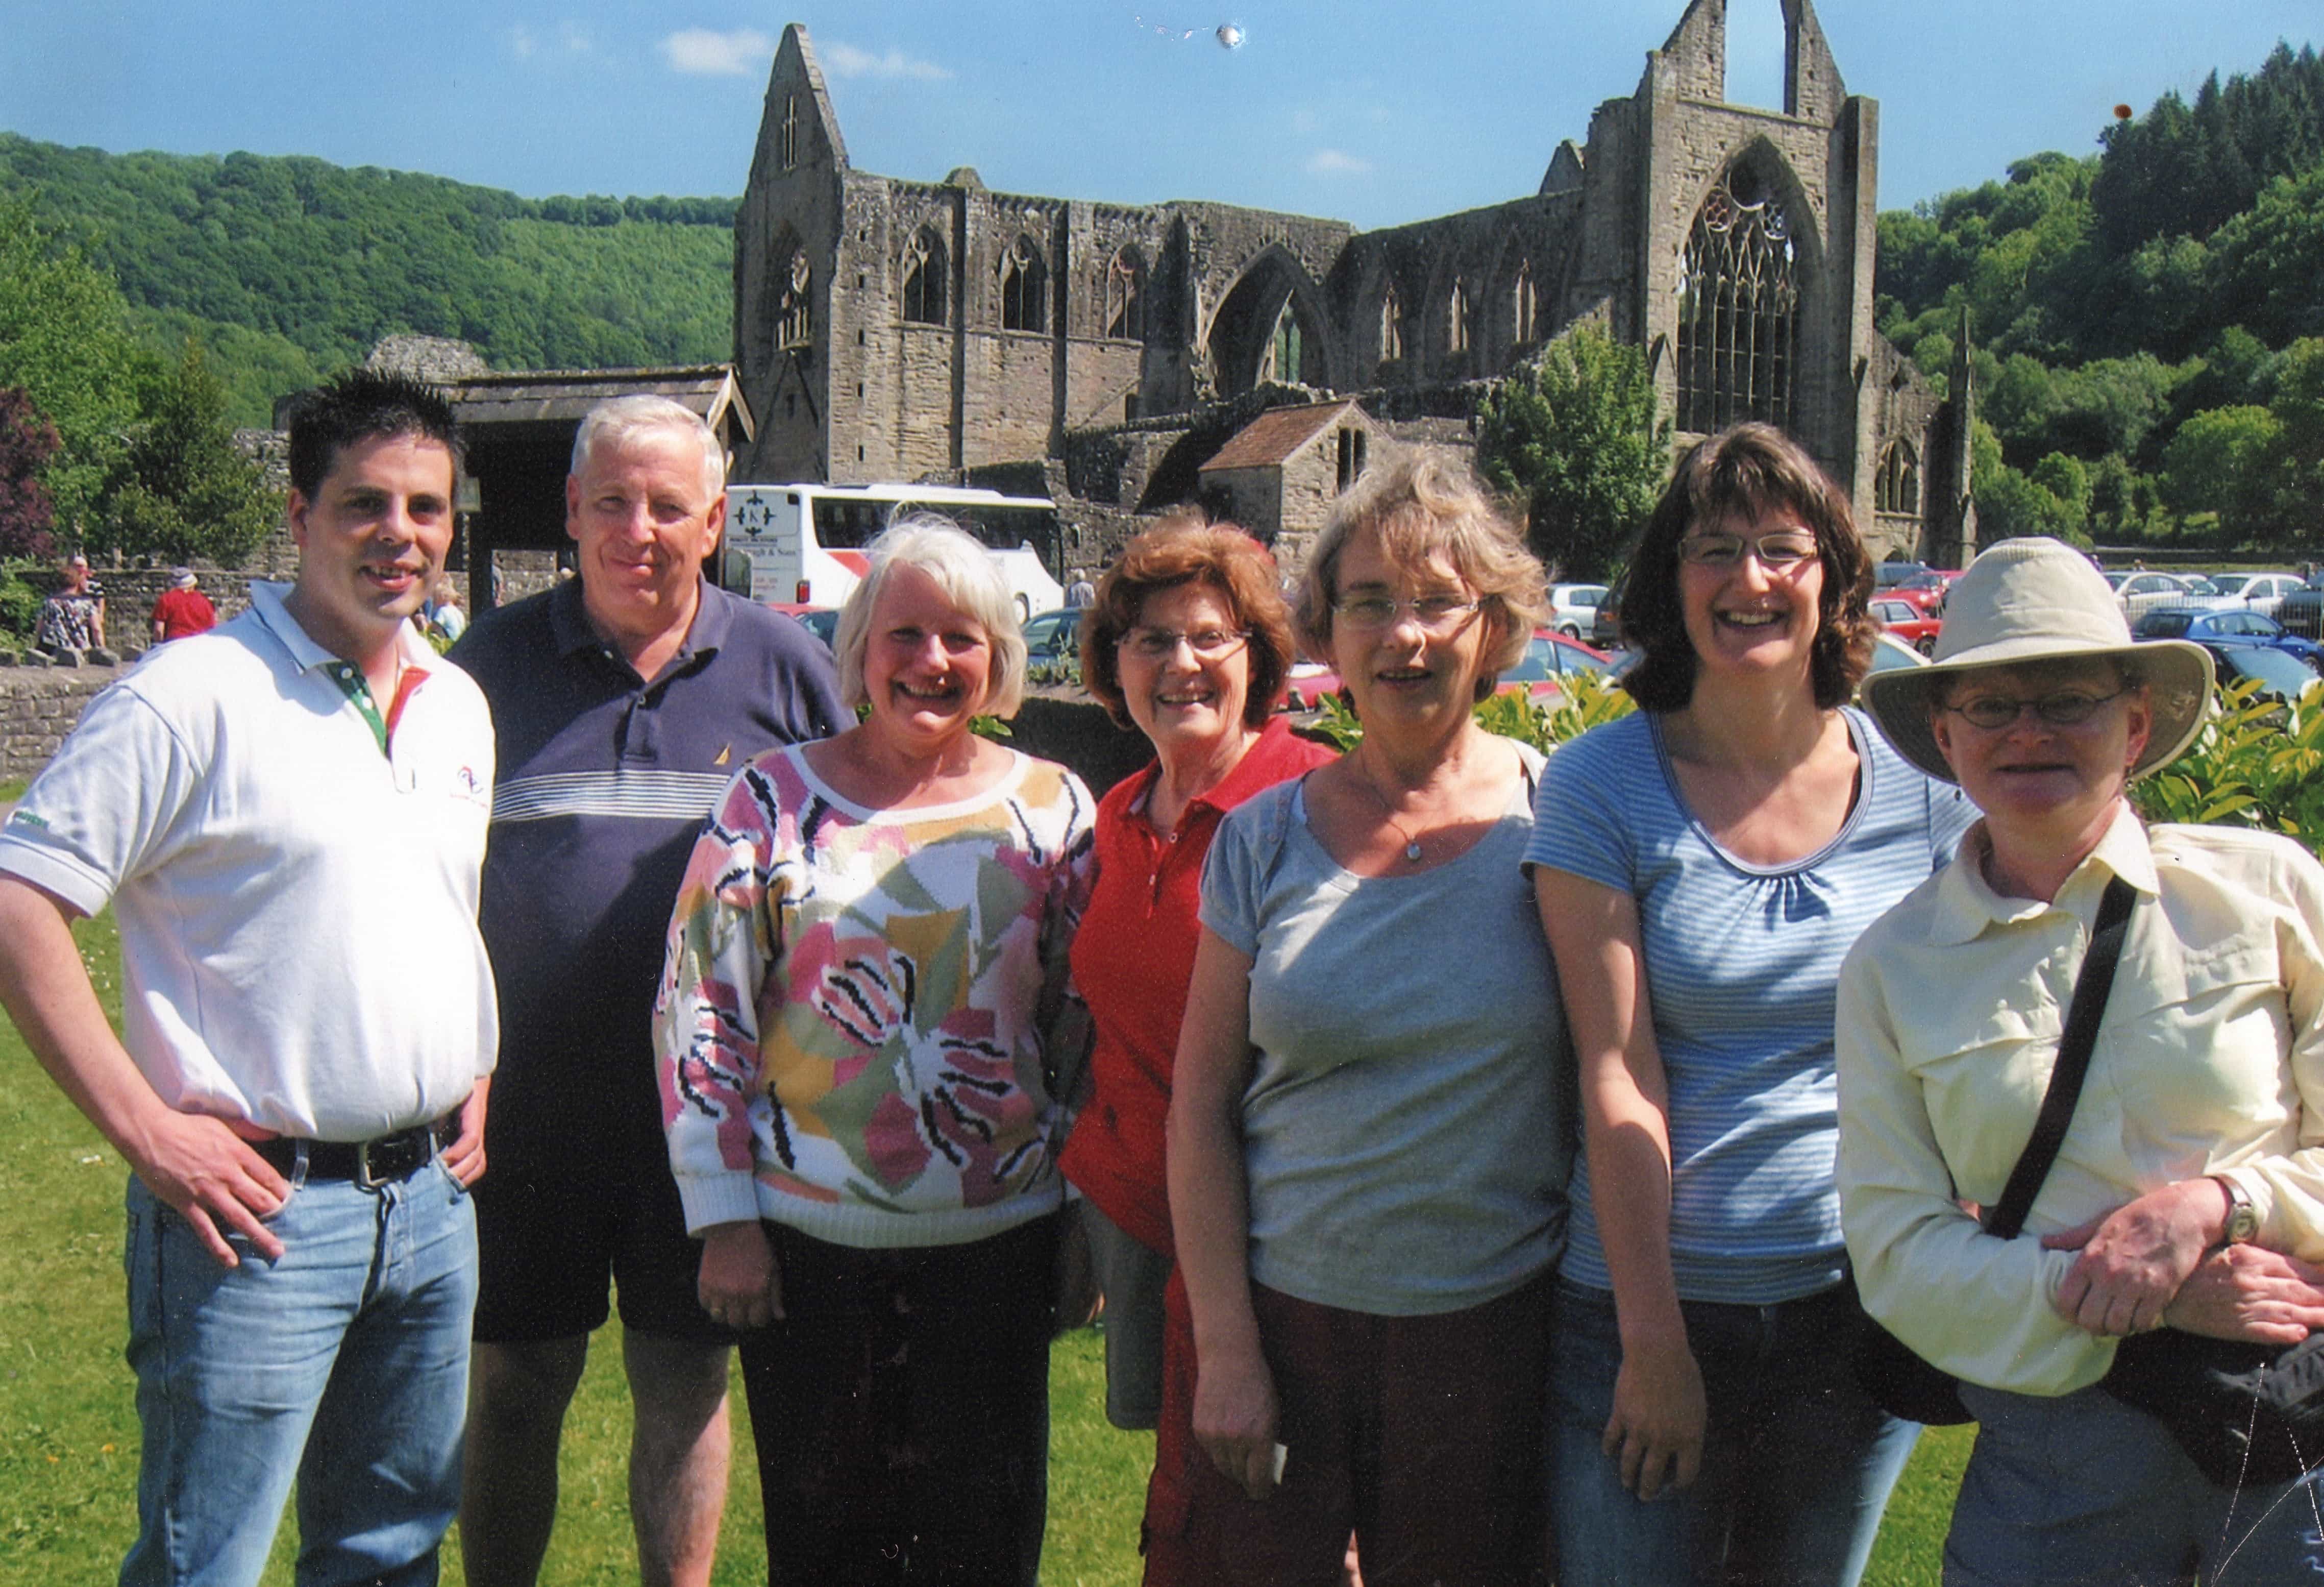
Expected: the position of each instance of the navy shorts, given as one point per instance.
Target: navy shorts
(563, 1209)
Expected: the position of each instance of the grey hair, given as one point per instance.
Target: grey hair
(617, 419)
(970, 580)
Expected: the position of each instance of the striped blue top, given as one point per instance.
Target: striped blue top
(1742, 964)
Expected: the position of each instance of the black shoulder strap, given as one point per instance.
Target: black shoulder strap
(2091, 987)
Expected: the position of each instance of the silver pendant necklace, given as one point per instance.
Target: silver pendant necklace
(1411, 844)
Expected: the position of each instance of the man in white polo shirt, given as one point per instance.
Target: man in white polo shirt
(288, 815)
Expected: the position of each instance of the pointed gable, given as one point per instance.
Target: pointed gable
(1811, 85)
(1695, 53)
(798, 127)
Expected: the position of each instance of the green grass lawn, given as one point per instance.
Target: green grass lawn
(69, 1432)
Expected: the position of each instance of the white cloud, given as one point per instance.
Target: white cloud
(522, 42)
(700, 52)
(576, 37)
(848, 61)
(1335, 163)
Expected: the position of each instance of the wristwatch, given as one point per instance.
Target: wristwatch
(2243, 1218)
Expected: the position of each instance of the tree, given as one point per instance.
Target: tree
(1579, 436)
(27, 440)
(2227, 461)
(184, 491)
(64, 341)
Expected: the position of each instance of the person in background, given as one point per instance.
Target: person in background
(1702, 867)
(182, 609)
(288, 815)
(1368, 1136)
(1081, 592)
(2192, 1157)
(862, 1016)
(1188, 642)
(442, 616)
(73, 618)
(624, 701)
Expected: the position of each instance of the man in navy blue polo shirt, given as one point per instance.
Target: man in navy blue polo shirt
(624, 701)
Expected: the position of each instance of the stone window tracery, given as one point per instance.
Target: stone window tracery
(1739, 308)
(1125, 296)
(925, 273)
(1024, 287)
(1897, 486)
(790, 132)
(1285, 355)
(794, 315)
(1524, 308)
(1456, 319)
(1391, 327)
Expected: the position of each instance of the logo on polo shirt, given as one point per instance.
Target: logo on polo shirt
(26, 819)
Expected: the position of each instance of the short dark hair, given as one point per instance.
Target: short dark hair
(1183, 550)
(1747, 471)
(359, 405)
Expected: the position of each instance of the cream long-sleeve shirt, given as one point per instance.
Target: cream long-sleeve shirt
(2210, 1059)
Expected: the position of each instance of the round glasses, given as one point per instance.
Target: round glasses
(1783, 549)
(2063, 708)
(1159, 644)
(1437, 614)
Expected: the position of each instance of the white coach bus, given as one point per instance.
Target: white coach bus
(804, 543)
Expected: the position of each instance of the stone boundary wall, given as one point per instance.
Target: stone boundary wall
(37, 706)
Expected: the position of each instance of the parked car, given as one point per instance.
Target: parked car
(1054, 636)
(1908, 621)
(1574, 608)
(2141, 592)
(1606, 630)
(2303, 611)
(2279, 676)
(2226, 631)
(2259, 592)
(823, 622)
(1887, 576)
(1925, 590)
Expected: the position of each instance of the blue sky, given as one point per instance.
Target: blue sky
(1355, 109)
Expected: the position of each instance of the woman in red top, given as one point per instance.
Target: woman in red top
(1189, 639)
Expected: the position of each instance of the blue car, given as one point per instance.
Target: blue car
(2219, 631)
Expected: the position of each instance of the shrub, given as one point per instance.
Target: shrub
(2257, 763)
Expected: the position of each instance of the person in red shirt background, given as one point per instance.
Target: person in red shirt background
(182, 609)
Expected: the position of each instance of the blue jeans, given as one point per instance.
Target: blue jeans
(344, 1365)
(1797, 1462)
(2082, 1491)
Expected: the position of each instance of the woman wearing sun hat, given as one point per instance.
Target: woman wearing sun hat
(2196, 1127)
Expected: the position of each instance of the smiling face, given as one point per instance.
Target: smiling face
(1749, 619)
(643, 517)
(370, 541)
(1185, 704)
(1405, 675)
(2038, 781)
(927, 666)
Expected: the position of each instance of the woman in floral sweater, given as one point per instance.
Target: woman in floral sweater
(862, 1008)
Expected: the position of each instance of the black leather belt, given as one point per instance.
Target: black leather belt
(383, 1160)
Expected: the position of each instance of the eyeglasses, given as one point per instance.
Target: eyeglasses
(2064, 708)
(1783, 549)
(1159, 644)
(1437, 615)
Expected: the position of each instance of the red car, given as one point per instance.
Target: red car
(1908, 621)
(823, 622)
(1549, 657)
(1925, 591)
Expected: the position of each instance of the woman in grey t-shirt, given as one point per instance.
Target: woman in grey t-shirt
(1368, 1136)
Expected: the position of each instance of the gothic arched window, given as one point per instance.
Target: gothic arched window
(794, 315)
(926, 271)
(1524, 308)
(1737, 309)
(1125, 296)
(1024, 287)
(1897, 488)
(1285, 356)
(1456, 319)
(1391, 327)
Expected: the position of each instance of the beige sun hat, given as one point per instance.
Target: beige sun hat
(2040, 600)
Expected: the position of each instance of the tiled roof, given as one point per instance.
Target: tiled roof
(1274, 435)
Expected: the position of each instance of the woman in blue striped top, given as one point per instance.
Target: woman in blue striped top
(1702, 867)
